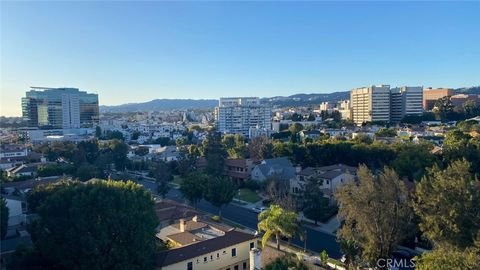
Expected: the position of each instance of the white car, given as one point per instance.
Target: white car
(258, 210)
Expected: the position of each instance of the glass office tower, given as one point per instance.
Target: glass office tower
(60, 108)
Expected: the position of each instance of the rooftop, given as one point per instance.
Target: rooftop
(230, 238)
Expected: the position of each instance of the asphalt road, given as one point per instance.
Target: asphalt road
(316, 241)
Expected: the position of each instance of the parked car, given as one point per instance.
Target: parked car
(258, 210)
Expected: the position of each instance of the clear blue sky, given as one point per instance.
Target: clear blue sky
(138, 51)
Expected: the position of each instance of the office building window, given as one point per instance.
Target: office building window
(234, 252)
(252, 245)
(189, 266)
(244, 265)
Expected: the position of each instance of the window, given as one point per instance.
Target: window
(244, 265)
(252, 245)
(218, 255)
(234, 252)
(235, 267)
(211, 257)
(205, 259)
(189, 266)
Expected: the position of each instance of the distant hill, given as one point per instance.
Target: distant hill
(306, 99)
(475, 90)
(162, 105)
(176, 104)
(278, 101)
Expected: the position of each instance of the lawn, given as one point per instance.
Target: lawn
(245, 194)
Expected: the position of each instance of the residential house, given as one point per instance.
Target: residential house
(22, 170)
(309, 134)
(280, 168)
(331, 177)
(170, 212)
(239, 169)
(203, 246)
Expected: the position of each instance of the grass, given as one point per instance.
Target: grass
(245, 194)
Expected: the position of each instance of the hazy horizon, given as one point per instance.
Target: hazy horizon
(133, 52)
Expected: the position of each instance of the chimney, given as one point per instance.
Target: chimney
(195, 218)
(255, 259)
(183, 225)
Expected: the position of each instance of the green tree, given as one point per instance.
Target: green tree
(277, 222)
(86, 172)
(315, 203)
(324, 257)
(98, 225)
(447, 203)
(219, 191)
(386, 132)
(470, 108)
(98, 132)
(296, 117)
(351, 251)
(295, 128)
(162, 188)
(377, 212)
(260, 148)
(443, 108)
(4, 211)
(119, 151)
(444, 258)
(214, 153)
(193, 186)
(286, 263)
(413, 159)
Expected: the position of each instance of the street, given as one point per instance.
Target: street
(316, 241)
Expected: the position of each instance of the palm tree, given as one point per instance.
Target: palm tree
(276, 221)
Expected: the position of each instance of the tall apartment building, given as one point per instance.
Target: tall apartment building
(430, 96)
(65, 108)
(405, 100)
(370, 104)
(237, 115)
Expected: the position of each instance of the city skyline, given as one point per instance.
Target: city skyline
(209, 50)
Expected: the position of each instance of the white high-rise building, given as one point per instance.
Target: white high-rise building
(370, 104)
(405, 100)
(237, 115)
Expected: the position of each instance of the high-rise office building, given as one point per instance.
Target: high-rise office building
(370, 104)
(65, 108)
(405, 100)
(237, 115)
(430, 96)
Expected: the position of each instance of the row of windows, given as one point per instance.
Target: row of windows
(233, 253)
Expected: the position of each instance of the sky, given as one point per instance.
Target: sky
(138, 51)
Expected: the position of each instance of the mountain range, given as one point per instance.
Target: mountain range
(178, 104)
(278, 101)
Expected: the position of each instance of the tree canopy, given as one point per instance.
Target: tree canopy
(377, 212)
(447, 203)
(219, 191)
(96, 225)
(277, 222)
